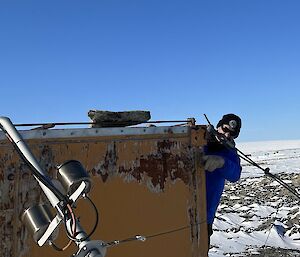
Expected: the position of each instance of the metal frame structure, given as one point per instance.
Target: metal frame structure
(160, 163)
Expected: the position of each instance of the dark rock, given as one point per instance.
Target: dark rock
(118, 119)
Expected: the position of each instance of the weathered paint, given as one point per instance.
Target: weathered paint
(145, 181)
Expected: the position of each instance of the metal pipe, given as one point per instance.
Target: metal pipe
(17, 140)
(38, 226)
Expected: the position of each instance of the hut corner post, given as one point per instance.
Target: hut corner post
(200, 219)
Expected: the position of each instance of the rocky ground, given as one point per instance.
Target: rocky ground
(261, 213)
(275, 252)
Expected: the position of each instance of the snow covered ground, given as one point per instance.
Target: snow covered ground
(257, 216)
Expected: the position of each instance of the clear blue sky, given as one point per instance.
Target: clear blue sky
(177, 59)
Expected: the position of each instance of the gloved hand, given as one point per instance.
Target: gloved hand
(212, 162)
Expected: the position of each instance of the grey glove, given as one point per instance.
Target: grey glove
(212, 162)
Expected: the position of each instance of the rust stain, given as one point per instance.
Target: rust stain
(151, 163)
(6, 236)
(109, 163)
(162, 165)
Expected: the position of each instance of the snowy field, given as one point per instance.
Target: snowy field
(257, 216)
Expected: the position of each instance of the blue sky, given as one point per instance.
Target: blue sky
(177, 59)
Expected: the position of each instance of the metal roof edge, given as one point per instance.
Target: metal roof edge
(92, 132)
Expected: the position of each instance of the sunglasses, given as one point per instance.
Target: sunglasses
(227, 130)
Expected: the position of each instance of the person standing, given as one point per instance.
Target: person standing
(221, 163)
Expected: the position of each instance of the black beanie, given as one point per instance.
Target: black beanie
(233, 121)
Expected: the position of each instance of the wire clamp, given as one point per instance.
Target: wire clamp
(140, 238)
(116, 242)
(267, 171)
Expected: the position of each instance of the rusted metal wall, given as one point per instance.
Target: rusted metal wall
(145, 181)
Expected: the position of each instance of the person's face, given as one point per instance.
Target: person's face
(226, 131)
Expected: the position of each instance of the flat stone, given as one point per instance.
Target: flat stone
(117, 119)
